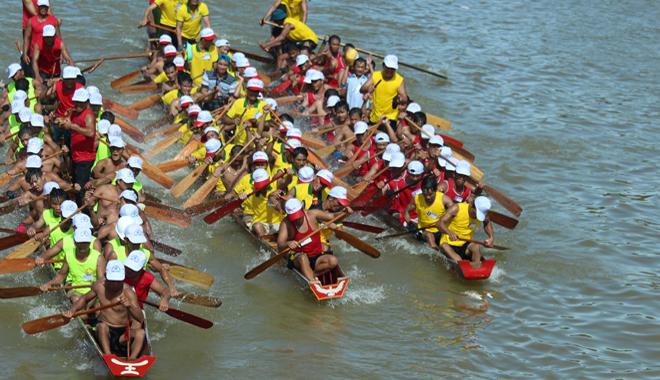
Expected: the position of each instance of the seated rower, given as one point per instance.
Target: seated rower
(262, 211)
(104, 171)
(202, 55)
(142, 281)
(309, 189)
(459, 224)
(65, 209)
(289, 29)
(430, 206)
(402, 190)
(456, 188)
(111, 331)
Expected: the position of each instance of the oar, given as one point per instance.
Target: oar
(451, 143)
(120, 109)
(90, 69)
(438, 121)
(20, 265)
(115, 57)
(233, 205)
(173, 165)
(13, 240)
(357, 243)
(157, 124)
(328, 150)
(404, 232)
(58, 320)
(286, 100)
(481, 242)
(137, 88)
(185, 317)
(167, 214)
(130, 130)
(253, 56)
(268, 263)
(502, 220)
(353, 165)
(7, 230)
(175, 127)
(205, 207)
(358, 188)
(505, 201)
(363, 227)
(146, 102)
(151, 171)
(162, 145)
(29, 291)
(166, 249)
(119, 82)
(183, 186)
(161, 27)
(189, 275)
(312, 142)
(197, 299)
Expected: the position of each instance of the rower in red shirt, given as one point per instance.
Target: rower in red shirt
(376, 164)
(456, 188)
(47, 55)
(411, 181)
(335, 61)
(63, 91)
(143, 281)
(356, 151)
(33, 28)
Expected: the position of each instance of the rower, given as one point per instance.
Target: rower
(143, 281)
(235, 173)
(189, 19)
(167, 79)
(430, 206)
(135, 164)
(289, 30)
(407, 186)
(47, 53)
(63, 92)
(376, 164)
(184, 87)
(456, 187)
(433, 163)
(336, 201)
(36, 27)
(297, 9)
(187, 120)
(335, 64)
(219, 81)
(385, 86)
(313, 94)
(201, 55)
(167, 17)
(309, 189)
(459, 224)
(104, 171)
(16, 73)
(103, 148)
(243, 113)
(262, 213)
(295, 233)
(111, 330)
(50, 220)
(107, 209)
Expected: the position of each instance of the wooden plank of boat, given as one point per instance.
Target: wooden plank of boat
(333, 284)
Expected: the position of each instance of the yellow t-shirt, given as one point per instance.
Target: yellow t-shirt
(191, 22)
(429, 214)
(200, 61)
(462, 225)
(251, 110)
(168, 10)
(300, 32)
(160, 78)
(383, 96)
(294, 9)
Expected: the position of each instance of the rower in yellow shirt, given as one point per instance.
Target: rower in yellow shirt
(459, 224)
(201, 56)
(296, 9)
(246, 112)
(185, 88)
(430, 205)
(385, 86)
(262, 210)
(168, 10)
(292, 30)
(189, 18)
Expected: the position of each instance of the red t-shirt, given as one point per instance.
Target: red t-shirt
(141, 286)
(49, 57)
(38, 29)
(64, 98)
(27, 15)
(83, 148)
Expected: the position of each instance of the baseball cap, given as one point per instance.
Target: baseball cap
(203, 117)
(259, 156)
(301, 59)
(445, 152)
(255, 85)
(285, 126)
(194, 110)
(415, 167)
(179, 62)
(17, 106)
(20, 96)
(126, 175)
(68, 208)
(33, 162)
(81, 95)
(305, 174)
(185, 101)
(413, 107)
(398, 160)
(294, 133)
(121, 225)
(114, 130)
(95, 98)
(165, 39)
(116, 142)
(272, 102)
(132, 211)
(212, 145)
(260, 178)
(207, 34)
(463, 167)
(427, 131)
(326, 177)
(222, 42)
(360, 127)
(135, 162)
(25, 115)
(340, 194)
(135, 260)
(391, 61)
(169, 50)
(437, 140)
(69, 72)
(135, 234)
(211, 128)
(250, 72)
(114, 271)
(93, 90)
(43, 3)
(81, 221)
(129, 194)
(332, 101)
(389, 150)
(293, 208)
(49, 186)
(293, 144)
(13, 69)
(103, 126)
(48, 31)
(482, 205)
(82, 235)
(237, 56)
(34, 145)
(313, 75)
(242, 62)
(382, 137)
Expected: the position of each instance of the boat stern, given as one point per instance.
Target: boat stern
(330, 291)
(129, 368)
(480, 273)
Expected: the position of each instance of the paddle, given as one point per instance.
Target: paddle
(58, 320)
(137, 88)
(189, 275)
(7, 230)
(505, 201)
(166, 249)
(167, 214)
(363, 227)
(205, 207)
(130, 130)
(357, 243)
(481, 242)
(146, 102)
(115, 57)
(173, 165)
(450, 142)
(233, 205)
(162, 145)
(254, 56)
(185, 317)
(404, 232)
(268, 263)
(29, 291)
(181, 187)
(196, 299)
(502, 220)
(119, 82)
(156, 125)
(320, 131)
(120, 109)
(20, 265)
(438, 121)
(151, 171)
(13, 240)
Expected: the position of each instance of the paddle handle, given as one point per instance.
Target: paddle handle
(95, 309)
(481, 242)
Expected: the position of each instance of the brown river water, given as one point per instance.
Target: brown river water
(557, 99)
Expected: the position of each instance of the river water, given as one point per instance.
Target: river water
(557, 99)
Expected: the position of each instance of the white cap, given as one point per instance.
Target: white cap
(17, 106)
(132, 211)
(415, 167)
(242, 62)
(250, 72)
(360, 127)
(222, 42)
(211, 128)
(391, 61)
(389, 150)
(37, 120)
(68, 208)
(43, 3)
(49, 186)
(169, 50)
(260, 176)
(93, 90)
(255, 85)
(293, 143)
(103, 126)
(33, 162)
(116, 142)
(301, 59)
(305, 174)
(445, 152)
(313, 75)
(207, 34)
(382, 137)
(114, 271)
(179, 61)
(25, 115)
(81, 221)
(126, 175)
(442, 162)
(82, 235)
(95, 98)
(413, 107)
(212, 145)
(482, 205)
(81, 95)
(259, 156)
(135, 260)
(427, 131)
(165, 39)
(326, 177)
(135, 162)
(194, 109)
(69, 72)
(13, 69)
(437, 140)
(294, 133)
(332, 101)
(340, 194)
(293, 206)
(48, 31)
(34, 145)
(129, 194)
(398, 160)
(237, 56)
(114, 130)
(203, 117)
(185, 99)
(135, 234)
(285, 126)
(449, 166)
(121, 225)
(20, 96)
(463, 167)
(272, 102)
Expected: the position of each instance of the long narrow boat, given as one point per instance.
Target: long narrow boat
(117, 366)
(333, 284)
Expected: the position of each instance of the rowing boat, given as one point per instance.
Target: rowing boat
(333, 284)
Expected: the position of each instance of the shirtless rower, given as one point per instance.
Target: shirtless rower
(108, 197)
(104, 171)
(114, 322)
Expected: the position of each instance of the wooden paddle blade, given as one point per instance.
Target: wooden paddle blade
(505, 201)
(130, 130)
(156, 175)
(502, 220)
(166, 249)
(191, 276)
(156, 125)
(13, 240)
(10, 207)
(358, 188)
(188, 149)
(254, 272)
(438, 122)
(24, 250)
(164, 132)
(137, 88)
(173, 165)
(16, 265)
(222, 211)
(185, 317)
(205, 207)
(254, 56)
(312, 142)
(363, 227)
(195, 299)
(119, 82)
(326, 151)
(145, 103)
(23, 291)
(200, 195)
(181, 187)
(357, 243)
(177, 218)
(5, 178)
(120, 109)
(288, 100)
(281, 88)
(452, 142)
(345, 170)
(162, 145)
(44, 324)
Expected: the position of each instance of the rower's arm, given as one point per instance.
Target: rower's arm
(286, 29)
(83, 301)
(368, 86)
(164, 273)
(89, 129)
(179, 40)
(66, 55)
(59, 277)
(282, 236)
(162, 291)
(207, 21)
(270, 11)
(52, 251)
(30, 8)
(304, 11)
(403, 94)
(445, 220)
(147, 12)
(36, 52)
(133, 308)
(27, 38)
(406, 212)
(490, 231)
